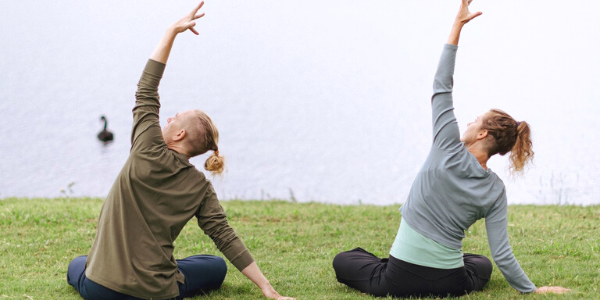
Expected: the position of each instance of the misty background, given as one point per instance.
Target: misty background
(324, 101)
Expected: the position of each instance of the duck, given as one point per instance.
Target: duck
(105, 136)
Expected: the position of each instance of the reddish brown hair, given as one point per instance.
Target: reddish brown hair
(505, 135)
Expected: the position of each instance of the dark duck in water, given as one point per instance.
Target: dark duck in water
(105, 136)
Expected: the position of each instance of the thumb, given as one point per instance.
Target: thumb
(475, 15)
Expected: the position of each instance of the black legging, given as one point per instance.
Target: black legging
(369, 274)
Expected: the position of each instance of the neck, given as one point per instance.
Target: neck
(480, 154)
(177, 148)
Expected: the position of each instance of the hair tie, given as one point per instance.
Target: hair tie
(217, 152)
(518, 123)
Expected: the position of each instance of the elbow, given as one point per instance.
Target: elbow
(223, 240)
(443, 82)
(440, 87)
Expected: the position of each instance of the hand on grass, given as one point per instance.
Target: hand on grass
(271, 293)
(552, 289)
(255, 275)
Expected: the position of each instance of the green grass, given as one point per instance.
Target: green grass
(294, 245)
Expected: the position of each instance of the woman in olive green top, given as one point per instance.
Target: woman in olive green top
(156, 193)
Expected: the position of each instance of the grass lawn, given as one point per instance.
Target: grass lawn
(294, 245)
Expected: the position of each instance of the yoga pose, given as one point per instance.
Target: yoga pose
(156, 193)
(453, 190)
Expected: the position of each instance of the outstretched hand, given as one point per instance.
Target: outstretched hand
(271, 293)
(552, 289)
(162, 51)
(464, 15)
(187, 22)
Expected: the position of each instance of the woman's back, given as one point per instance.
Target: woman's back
(453, 190)
(450, 193)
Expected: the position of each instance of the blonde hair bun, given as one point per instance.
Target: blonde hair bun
(215, 163)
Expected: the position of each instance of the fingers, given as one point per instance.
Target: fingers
(467, 19)
(197, 8)
(559, 290)
(475, 15)
(552, 289)
(196, 17)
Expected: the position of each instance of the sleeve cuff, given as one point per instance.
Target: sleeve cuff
(155, 68)
(529, 292)
(242, 260)
(450, 47)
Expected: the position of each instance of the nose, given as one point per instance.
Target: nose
(169, 120)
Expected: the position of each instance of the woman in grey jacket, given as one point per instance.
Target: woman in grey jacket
(453, 190)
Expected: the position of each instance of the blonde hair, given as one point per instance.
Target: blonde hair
(202, 137)
(509, 136)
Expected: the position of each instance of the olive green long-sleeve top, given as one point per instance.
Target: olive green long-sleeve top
(156, 193)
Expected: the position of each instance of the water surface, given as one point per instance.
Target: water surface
(315, 101)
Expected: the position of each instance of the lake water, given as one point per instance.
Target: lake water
(314, 101)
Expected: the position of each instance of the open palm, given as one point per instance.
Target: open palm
(464, 15)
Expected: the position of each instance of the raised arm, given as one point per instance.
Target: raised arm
(162, 51)
(445, 128)
(146, 130)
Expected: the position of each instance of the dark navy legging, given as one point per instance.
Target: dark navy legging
(203, 273)
(369, 274)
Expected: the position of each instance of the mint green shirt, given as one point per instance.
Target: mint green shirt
(411, 246)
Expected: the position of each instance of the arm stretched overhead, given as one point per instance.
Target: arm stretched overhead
(248, 267)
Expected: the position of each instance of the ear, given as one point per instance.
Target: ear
(483, 133)
(180, 135)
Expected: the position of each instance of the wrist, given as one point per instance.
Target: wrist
(458, 25)
(266, 286)
(171, 31)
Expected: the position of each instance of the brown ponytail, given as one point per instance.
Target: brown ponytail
(522, 152)
(507, 135)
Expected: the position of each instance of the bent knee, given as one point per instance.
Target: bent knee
(221, 265)
(481, 265)
(487, 267)
(339, 260)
